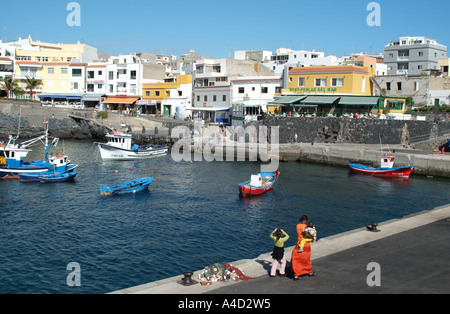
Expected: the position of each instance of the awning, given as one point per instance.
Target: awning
(6, 62)
(92, 97)
(61, 96)
(209, 109)
(121, 100)
(319, 100)
(359, 101)
(286, 100)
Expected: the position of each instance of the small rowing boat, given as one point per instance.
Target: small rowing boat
(133, 186)
(259, 184)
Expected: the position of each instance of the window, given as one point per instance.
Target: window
(215, 98)
(264, 90)
(90, 88)
(90, 74)
(363, 89)
(100, 73)
(147, 93)
(64, 71)
(75, 85)
(133, 88)
(241, 90)
(320, 82)
(111, 75)
(399, 85)
(224, 97)
(157, 93)
(76, 72)
(388, 85)
(416, 86)
(301, 81)
(205, 98)
(337, 82)
(110, 88)
(51, 70)
(420, 67)
(420, 53)
(133, 75)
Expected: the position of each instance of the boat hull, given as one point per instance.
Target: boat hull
(397, 172)
(35, 176)
(246, 189)
(8, 173)
(62, 177)
(108, 152)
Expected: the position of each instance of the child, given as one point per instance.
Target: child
(278, 251)
(310, 234)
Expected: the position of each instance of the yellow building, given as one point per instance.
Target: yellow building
(55, 77)
(331, 80)
(443, 65)
(332, 91)
(156, 93)
(49, 62)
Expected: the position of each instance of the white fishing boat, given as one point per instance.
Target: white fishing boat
(119, 147)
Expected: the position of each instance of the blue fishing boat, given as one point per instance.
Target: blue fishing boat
(58, 164)
(133, 186)
(12, 156)
(58, 177)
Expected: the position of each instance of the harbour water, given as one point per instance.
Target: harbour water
(191, 217)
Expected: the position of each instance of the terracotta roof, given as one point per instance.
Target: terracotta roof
(28, 62)
(328, 69)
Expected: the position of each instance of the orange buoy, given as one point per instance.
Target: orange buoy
(131, 168)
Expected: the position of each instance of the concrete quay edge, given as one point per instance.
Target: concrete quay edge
(323, 247)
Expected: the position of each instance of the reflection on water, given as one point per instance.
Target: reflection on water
(192, 216)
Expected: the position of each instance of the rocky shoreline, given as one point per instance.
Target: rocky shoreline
(64, 128)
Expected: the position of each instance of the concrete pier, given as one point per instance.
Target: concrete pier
(412, 252)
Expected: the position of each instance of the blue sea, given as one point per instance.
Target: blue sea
(191, 217)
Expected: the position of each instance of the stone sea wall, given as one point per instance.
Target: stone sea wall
(357, 131)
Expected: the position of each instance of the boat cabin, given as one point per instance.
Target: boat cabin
(119, 140)
(12, 156)
(387, 161)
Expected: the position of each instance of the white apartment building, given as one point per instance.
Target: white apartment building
(124, 76)
(298, 58)
(95, 84)
(7, 57)
(179, 102)
(250, 96)
(212, 91)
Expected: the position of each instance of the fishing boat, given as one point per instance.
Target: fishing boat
(387, 168)
(59, 164)
(259, 184)
(133, 186)
(12, 157)
(119, 147)
(58, 177)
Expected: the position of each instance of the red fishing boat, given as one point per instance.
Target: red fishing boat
(387, 169)
(259, 184)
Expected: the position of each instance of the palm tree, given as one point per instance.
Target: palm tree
(8, 84)
(32, 84)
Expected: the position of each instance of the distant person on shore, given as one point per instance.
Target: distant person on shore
(301, 263)
(278, 256)
(295, 138)
(309, 235)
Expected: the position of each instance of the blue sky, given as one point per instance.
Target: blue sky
(217, 28)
